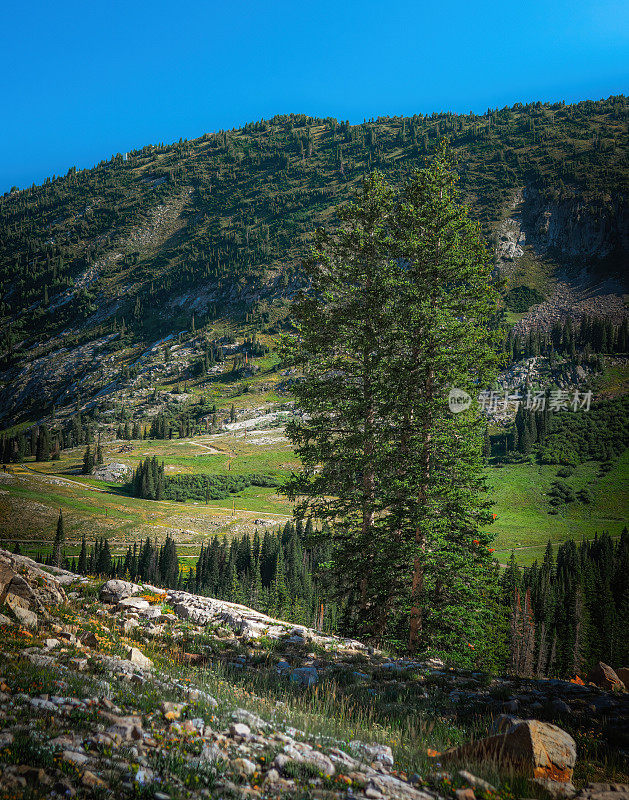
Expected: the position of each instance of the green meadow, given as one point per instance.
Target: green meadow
(32, 494)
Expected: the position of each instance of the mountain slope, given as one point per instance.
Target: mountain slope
(237, 207)
(135, 249)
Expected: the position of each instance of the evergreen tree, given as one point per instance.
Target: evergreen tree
(58, 542)
(399, 311)
(42, 452)
(88, 461)
(21, 448)
(279, 591)
(103, 560)
(339, 345)
(82, 563)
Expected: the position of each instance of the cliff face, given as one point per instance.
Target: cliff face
(575, 229)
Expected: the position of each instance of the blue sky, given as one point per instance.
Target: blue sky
(82, 81)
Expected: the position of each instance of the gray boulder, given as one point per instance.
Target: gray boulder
(134, 604)
(114, 591)
(138, 658)
(113, 473)
(24, 584)
(381, 753)
(305, 676)
(25, 617)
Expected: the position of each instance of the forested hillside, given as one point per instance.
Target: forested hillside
(221, 222)
(141, 303)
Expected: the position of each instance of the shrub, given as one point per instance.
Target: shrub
(561, 493)
(585, 496)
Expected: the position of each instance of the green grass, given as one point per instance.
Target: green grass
(614, 380)
(520, 493)
(30, 503)
(534, 271)
(523, 521)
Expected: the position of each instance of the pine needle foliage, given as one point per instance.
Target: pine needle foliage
(400, 309)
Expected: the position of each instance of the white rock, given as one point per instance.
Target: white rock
(25, 617)
(114, 472)
(244, 766)
(135, 603)
(239, 729)
(77, 759)
(152, 612)
(137, 657)
(373, 752)
(45, 705)
(115, 590)
(40, 660)
(212, 754)
(249, 718)
(129, 624)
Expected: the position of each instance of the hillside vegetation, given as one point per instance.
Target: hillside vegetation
(141, 303)
(224, 220)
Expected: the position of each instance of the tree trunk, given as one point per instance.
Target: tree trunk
(417, 585)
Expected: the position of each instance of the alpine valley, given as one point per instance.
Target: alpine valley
(169, 627)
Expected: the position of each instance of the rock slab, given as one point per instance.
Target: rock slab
(605, 677)
(534, 748)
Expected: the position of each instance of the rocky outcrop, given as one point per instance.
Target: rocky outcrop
(571, 300)
(115, 472)
(244, 622)
(115, 713)
(604, 791)
(248, 623)
(115, 590)
(53, 376)
(138, 658)
(623, 675)
(27, 589)
(573, 228)
(510, 237)
(604, 676)
(530, 747)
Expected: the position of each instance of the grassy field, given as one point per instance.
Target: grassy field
(523, 522)
(32, 494)
(260, 451)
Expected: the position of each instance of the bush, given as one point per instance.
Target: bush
(600, 434)
(212, 487)
(561, 493)
(585, 496)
